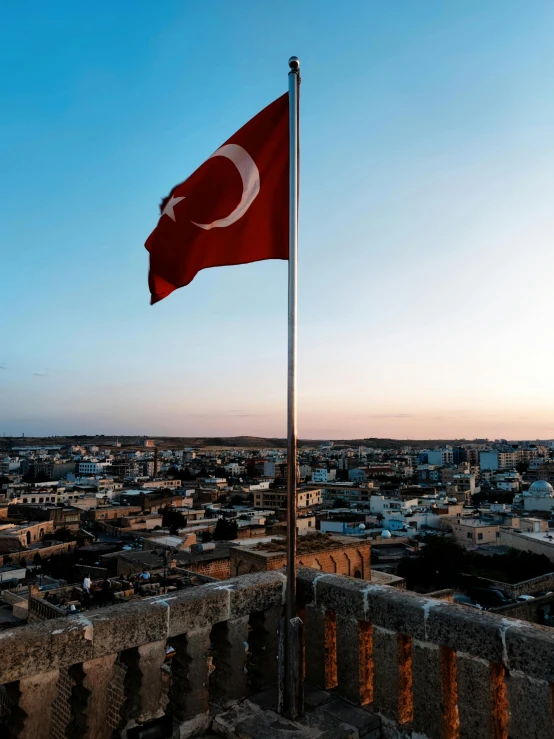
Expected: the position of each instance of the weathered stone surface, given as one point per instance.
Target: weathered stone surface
(98, 676)
(198, 608)
(355, 659)
(392, 686)
(531, 709)
(143, 683)
(224, 724)
(321, 647)
(314, 697)
(188, 695)
(529, 649)
(363, 721)
(426, 669)
(128, 625)
(267, 724)
(31, 716)
(71, 641)
(257, 592)
(229, 645)
(25, 651)
(474, 697)
(262, 642)
(465, 630)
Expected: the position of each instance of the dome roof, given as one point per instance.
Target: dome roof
(541, 489)
(385, 534)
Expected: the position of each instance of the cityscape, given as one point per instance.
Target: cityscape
(276, 400)
(94, 523)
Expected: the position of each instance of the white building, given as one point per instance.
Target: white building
(92, 468)
(322, 474)
(539, 497)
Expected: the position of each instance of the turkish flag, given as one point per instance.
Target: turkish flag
(233, 210)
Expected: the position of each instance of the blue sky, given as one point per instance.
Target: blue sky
(426, 218)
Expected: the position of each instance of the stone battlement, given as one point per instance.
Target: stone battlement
(428, 668)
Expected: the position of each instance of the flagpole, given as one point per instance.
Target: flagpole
(293, 677)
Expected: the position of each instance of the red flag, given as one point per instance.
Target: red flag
(233, 210)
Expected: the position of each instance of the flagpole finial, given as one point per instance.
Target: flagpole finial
(294, 63)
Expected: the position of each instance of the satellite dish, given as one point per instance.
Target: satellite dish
(362, 527)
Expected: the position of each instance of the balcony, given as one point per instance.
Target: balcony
(419, 667)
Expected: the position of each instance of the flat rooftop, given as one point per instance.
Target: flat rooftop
(309, 543)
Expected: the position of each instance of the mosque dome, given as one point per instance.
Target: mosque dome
(541, 489)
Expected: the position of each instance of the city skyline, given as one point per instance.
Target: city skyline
(425, 231)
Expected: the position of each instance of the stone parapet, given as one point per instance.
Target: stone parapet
(430, 668)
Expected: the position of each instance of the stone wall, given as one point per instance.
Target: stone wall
(28, 554)
(429, 668)
(525, 587)
(512, 539)
(353, 560)
(96, 676)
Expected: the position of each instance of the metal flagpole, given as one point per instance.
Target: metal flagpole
(293, 676)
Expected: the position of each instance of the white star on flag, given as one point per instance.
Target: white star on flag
(168, 210)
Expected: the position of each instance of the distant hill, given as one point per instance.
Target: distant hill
(220, 442)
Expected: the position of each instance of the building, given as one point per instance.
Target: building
(91, 468)
(343, 555)
(539, 497)
(13, 537)
(357, 475)
(440, 457)
(470, 532)
(278, 498)
(498, 460)
(322, 475)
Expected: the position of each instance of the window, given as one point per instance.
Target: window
(479, 536)
(469, 536)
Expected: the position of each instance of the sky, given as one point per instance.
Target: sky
(426, 228)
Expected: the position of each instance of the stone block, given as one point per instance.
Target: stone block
(197, 608)
(529, 649)
(269, 724)
(465, 630)
(321, 647)
(354, 659)
(71, 641)
(531, 708)
(224, 724)
(426, 671)
(129, 625)
(229, 645)
(32, 717)
(474, 697)
(363, 721)
(25, 651)
(342, 595)
(392, 681)
(256, 592)
(314, 697)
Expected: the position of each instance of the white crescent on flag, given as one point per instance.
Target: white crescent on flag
(250, 176)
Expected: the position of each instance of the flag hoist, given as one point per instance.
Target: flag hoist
(241, 206)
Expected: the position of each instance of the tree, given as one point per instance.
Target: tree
(61, 534)
(173, 520)
(522, 467)
(237, 500)
(225, 530)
